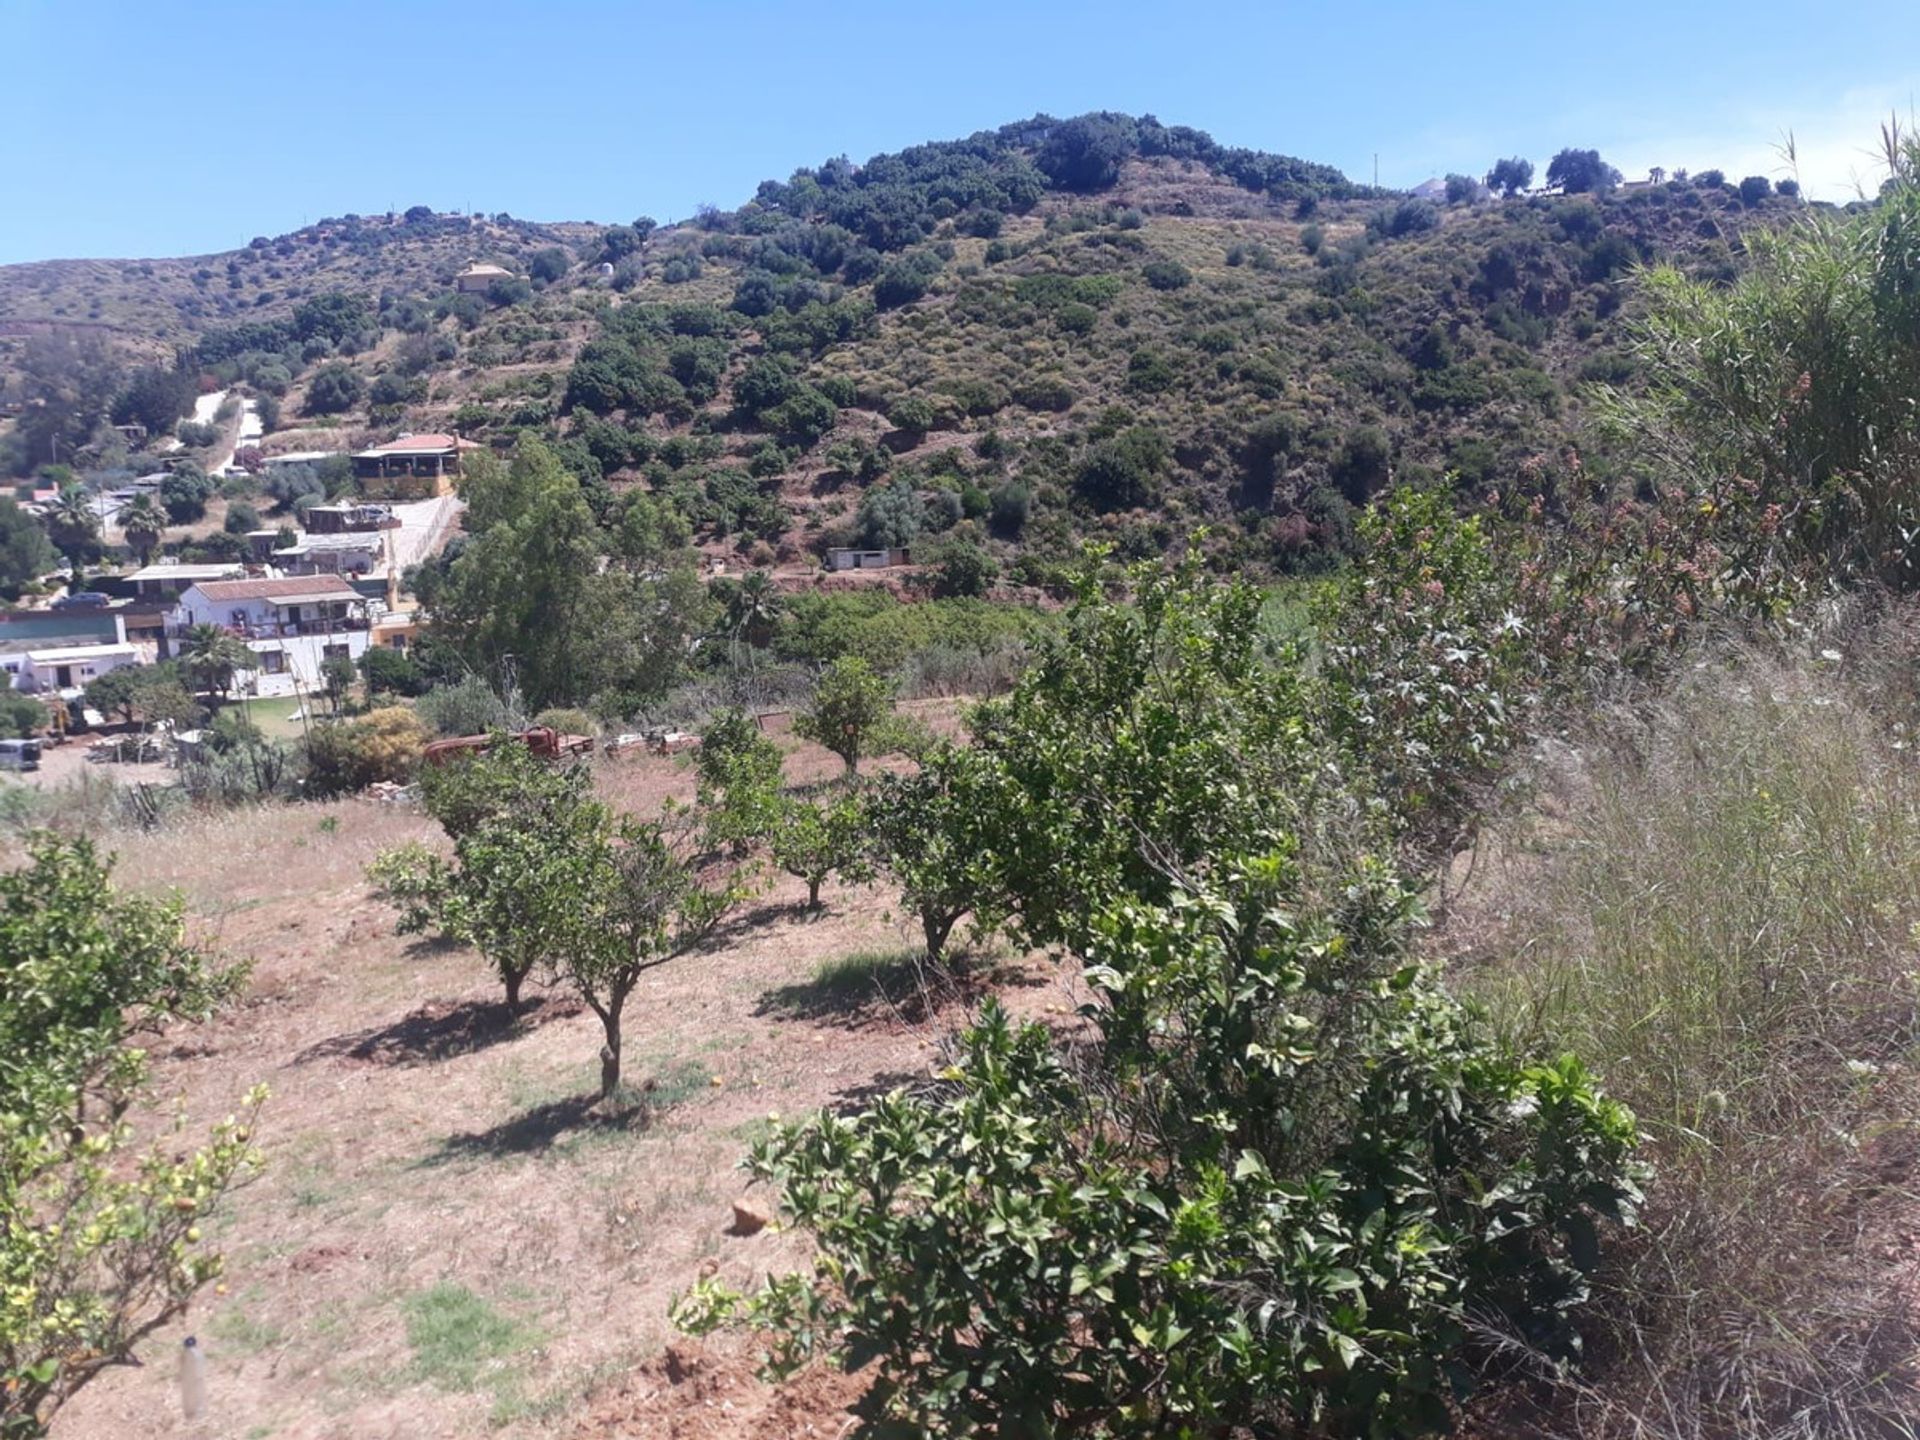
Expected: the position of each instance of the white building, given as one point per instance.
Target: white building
(152, 582)
(68, 669)
(294, 625)
(868, 559)
(288, 461)
(353, 553)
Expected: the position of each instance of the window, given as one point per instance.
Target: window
(273, 662)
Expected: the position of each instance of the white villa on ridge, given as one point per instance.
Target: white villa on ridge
(293, 625)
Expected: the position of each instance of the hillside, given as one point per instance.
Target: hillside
(168, 302)
(1102, 327)
(1468, 992)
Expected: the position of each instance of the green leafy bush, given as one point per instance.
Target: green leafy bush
(813, 839)
(851, 713)
(103, 1242)
(333, 389)
(739, 787)
(1166, 275)
(1283, 1176)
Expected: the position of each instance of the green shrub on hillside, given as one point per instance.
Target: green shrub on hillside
(1281, 1175)
(104, 1242)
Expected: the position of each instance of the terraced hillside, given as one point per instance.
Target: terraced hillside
(1102, 327)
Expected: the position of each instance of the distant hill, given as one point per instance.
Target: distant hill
(1103, 326)
(167, 302)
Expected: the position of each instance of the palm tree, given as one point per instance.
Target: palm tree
(753, 609)
(760, 606)
(142, 521)
(72, 524)
(211, 655)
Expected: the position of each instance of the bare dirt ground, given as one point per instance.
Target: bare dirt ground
(67, 764)
(444, 1241)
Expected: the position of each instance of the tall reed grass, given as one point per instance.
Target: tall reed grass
(1720, 916)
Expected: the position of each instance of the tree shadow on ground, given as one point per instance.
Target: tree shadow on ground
(562, 1123)
(439, 1030)
(545, 1127)
(426, 947)
(532, 1131)
(875, 988)
(742, 923)
(855, 1098)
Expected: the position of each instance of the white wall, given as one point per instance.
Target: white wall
(35, 679)
(304, 655)
(195, 609)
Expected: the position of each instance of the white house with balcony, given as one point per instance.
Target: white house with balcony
(293, 625)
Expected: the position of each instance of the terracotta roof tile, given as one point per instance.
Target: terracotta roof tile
(328, 587)
(412, 443)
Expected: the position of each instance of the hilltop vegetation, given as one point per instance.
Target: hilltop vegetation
(1099, 327)
(167, 302)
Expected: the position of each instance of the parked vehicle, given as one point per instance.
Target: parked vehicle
(82, 600)
(19, 754)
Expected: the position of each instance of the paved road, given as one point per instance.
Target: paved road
(205, 408)
(424, 528)
(250, 428)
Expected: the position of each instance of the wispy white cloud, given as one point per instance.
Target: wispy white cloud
(1835, 145)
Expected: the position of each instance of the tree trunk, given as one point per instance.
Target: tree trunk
(813, 892)
(514, 979)
(610, 1053)
(936, 926)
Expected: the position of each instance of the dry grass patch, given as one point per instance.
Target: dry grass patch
(1720, 917)
(417, 1149)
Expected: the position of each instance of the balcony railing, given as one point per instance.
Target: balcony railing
(284, 630)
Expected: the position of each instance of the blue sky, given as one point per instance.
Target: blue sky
(168, 128)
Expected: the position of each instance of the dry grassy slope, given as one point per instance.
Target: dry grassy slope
(418, 1154)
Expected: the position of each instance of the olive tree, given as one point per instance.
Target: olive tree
(1581, 172)
(1510, 176)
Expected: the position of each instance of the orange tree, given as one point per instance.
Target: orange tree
(1279, 1177)
(101, 1243)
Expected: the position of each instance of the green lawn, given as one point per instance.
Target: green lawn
(275, 717)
